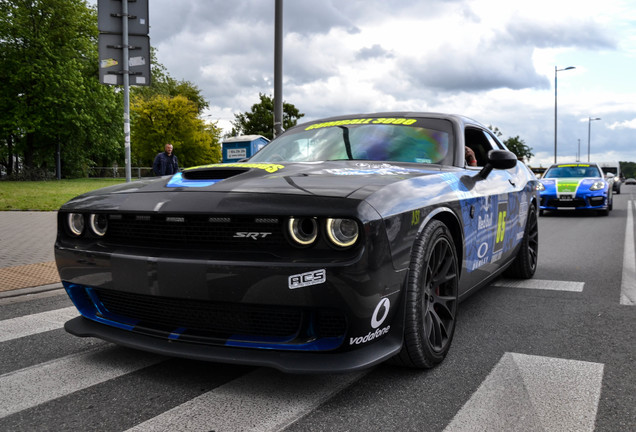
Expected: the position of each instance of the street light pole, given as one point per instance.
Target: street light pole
(555, 107)
(589, 130)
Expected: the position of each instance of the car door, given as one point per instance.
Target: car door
(491, 233)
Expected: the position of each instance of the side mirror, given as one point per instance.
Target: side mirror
(498, 159)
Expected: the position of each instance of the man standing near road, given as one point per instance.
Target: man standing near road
(165, 162)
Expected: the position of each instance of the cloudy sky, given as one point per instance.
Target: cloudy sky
(491, 60)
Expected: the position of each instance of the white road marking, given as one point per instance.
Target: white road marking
(533, 393)
(263, 400)
(551, 285)
(28, 325)
(628, 281)
(38, 384)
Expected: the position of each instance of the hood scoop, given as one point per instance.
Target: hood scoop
(212, 173)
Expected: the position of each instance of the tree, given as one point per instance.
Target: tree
(162, 83)
(50, 93)
(163, 119)
(515, 145)
(260, 120)
(519, 147)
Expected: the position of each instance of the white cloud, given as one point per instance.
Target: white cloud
(627, 124)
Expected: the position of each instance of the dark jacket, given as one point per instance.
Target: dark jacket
(165, 165)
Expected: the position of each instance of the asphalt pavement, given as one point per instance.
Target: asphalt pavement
(27, 262)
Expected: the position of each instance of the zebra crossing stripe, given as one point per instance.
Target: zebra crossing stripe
(16, 328)
(628, 280)
(539, 284)
(38, 384)
(526, 392)
(275, 401)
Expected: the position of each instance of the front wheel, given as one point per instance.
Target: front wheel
(431, 298)
(525, 263)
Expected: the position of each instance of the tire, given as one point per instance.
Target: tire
(431, 299)
(525, 264)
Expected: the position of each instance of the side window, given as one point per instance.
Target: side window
(481, 143)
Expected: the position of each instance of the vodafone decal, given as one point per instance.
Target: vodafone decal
(379, 315)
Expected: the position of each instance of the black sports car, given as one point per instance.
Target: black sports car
(342, 243)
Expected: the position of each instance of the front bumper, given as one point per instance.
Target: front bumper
(578, 202)
(238, 312)
(286, 361)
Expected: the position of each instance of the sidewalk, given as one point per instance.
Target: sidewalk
(26, 250)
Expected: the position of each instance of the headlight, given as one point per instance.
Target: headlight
(76, 223)
(597, 186)
(303, 230)
(99, 224)
(540, 187)
(342, 232)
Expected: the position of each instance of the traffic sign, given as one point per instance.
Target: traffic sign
(109, 17)
(111, 59)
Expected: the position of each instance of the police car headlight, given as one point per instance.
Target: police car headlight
(597, 186)
(342, 232)
(76, 224)
(303, 231)
(540, 187)
(98, 224)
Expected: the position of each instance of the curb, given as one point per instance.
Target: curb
(31, 290)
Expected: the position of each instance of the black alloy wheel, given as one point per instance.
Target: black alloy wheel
(431, 303)
(525, 264)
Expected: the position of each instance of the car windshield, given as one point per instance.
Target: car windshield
(340, 140)
(572, 171)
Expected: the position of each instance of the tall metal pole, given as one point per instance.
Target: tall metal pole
(555, 107)
(126, 70)
(555, 125)
(589, 130)
(278, 68)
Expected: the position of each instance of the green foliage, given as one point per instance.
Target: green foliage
(628, 169)
(168, 111)
(162, 119)
(519, 147)
(50, 92)
(515, 145)
(162, 83)
(260, 120)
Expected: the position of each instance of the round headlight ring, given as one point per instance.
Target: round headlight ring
(99, 224)
(342, 232)
(76, 224)
(303, 231)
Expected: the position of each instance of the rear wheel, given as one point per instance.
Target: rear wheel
(525, 263)
(431, 298)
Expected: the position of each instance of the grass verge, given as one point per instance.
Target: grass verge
(46, 195)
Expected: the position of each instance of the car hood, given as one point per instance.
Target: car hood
(568, 185)
(330, 179)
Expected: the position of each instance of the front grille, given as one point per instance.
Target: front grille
(196, 231)
(215, 322)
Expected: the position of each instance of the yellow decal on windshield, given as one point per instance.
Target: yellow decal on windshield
(573, 165)
(390, 120)
(270, 168)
